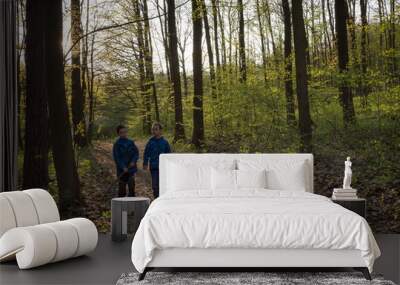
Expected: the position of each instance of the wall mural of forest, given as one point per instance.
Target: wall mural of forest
(264, 76)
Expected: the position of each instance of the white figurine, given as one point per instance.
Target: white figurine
(347, 174)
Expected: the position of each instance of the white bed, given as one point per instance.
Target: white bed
(248, 227)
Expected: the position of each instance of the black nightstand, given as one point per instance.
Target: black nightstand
(358, 206)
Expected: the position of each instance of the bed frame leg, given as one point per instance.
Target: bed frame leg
(143, 274)
(364, 271)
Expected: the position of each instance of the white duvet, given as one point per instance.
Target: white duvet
(250, 219)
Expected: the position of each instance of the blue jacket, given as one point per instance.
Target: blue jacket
(154, 148)
(125, 152)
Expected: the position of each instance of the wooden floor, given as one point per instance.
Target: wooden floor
(110, 260)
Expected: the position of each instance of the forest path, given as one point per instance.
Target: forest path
(99, 184)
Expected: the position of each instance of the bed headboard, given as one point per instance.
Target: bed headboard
(208, 158)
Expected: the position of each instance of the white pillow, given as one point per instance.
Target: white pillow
(251, 178)
(189, 175)
(288, 174)
(183, 177)
(223, 179)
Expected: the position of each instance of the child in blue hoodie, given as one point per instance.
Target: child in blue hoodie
(154, 147)
(125, 155)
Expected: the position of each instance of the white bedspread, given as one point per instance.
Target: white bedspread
(250, 219)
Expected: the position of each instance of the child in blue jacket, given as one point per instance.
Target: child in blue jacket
(154, 147)
(125, 155)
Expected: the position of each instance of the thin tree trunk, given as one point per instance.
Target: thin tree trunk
(230, 40)
(242, 47)
(364, 26)
(393, 40)
(351, 20)
(164, 34)
(300, 45)
(381, 25)
(142, 65)
(149, 60)
(84, 69)
(327, 39)
(209, 48)
(36, 116)
(91, 91)
(271, 32)
(263, 52)
(87, 80)
(175, 77)
(331, 20)
(59, 121)
(341, 15)
(198, 121)
(222, 30)
(314, 47)
(77, 96)
(184, 75)
(215, 25)
(290, 113)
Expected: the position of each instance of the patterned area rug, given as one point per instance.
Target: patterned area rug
(269, 278)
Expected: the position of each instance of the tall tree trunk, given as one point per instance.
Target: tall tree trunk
(392, 38)
(242, 47)
(141, 57)
(149, 60)
(184, 75)
(222, 31)
(36, 116)
(77, 96)
(364, 26)
(300, 46)
(341, 15)
(351, 20)
(85, 81)
(271, 32)
(91, 91)
(175, 77)
(230, 39)
(209, 47)
(198, 121)
(164, 34)
(263, 51)
(59, 121)
(290, 113)
(182, 50)
(331, 21)
(215, 25)
(314, 46)
(327, 39)
(381, 25)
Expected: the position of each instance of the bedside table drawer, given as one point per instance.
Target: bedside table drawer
(358, 206)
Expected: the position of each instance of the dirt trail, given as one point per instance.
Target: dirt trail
(96, 183)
